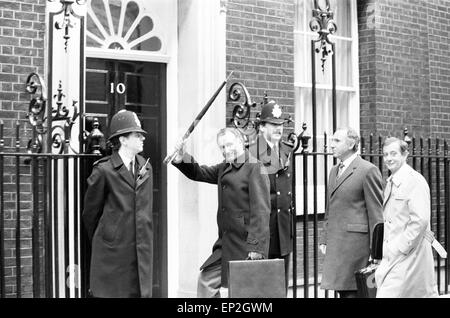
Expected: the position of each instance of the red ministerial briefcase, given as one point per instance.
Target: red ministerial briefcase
(257, 279)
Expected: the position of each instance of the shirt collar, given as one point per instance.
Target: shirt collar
(239, 161)
(270, 144)
(349, 160)
(126, 158)
(400, 175)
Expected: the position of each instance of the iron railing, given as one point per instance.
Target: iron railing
(43, 251)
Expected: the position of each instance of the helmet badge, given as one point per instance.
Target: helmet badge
(276, 112)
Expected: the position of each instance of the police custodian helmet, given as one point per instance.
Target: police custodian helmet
(124, 122)
(271, 113)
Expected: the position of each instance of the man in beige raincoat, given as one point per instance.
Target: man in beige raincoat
(407, 267)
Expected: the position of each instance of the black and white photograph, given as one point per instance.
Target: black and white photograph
(225, 154)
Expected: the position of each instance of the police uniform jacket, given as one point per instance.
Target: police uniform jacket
(118, 219)
(354, 207)
(243, 208)
(280, 175)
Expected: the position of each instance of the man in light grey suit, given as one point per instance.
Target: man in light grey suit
(354, 207)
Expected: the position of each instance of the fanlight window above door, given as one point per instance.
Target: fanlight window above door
(122, 25)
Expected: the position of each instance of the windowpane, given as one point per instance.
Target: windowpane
(301, 69)
(115, 7)
(342, 17)
(346, 62)
(344, 65)
(301, 21)
(124, 25)
(324, 109)
(130, 15)
(303, 61)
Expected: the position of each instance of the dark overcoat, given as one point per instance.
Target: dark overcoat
(279, 168)
(243, 208)
(118, 219)
(354, 207)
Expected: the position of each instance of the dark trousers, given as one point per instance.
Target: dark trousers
(274, 245)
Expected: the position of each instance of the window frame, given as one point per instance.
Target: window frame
(303, 114)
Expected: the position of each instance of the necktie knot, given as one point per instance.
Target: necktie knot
(340, 169)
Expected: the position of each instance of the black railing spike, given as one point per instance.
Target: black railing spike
(406, 137)
(2, 142)
(17, 135)
(363, 145)
(265, 98)
(95, 138)
(304, 137)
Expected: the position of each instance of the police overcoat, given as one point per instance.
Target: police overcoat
(407, 267)
(243, 208)
(118, 219)
(280, 174)
(354, 207)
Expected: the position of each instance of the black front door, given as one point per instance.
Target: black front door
(112, 85)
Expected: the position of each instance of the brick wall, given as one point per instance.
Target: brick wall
(438, 17)
(404, 68)
(260, 50)
(366, 27)
(22, 29)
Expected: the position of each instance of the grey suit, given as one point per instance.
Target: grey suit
(354, 206)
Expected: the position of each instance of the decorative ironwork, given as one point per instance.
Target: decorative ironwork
(61, 133)
(61, 121)
(95, 140)
(35, 86)
(241, 117)
(66, 22)
(323, 23)
(303, 137)
(241, 112)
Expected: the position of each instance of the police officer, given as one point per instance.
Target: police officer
(118, 214)
(276, 156)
